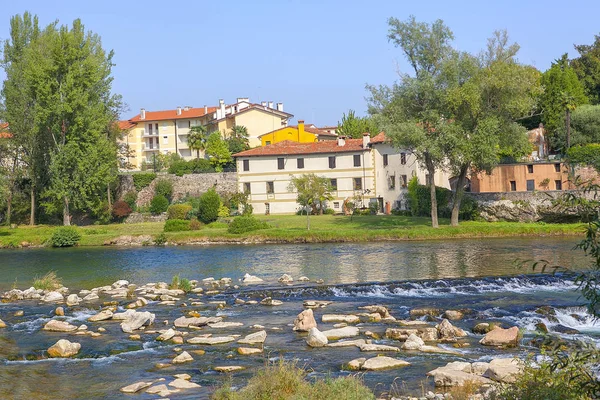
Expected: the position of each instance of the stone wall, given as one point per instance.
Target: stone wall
(186, 185)
(136, 218)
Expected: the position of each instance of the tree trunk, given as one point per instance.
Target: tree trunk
(108, 197)
(32, 211)
(9, 205)
(431, 183)
(66, 216)
(458, 193)
(568, 123)
(307, 221)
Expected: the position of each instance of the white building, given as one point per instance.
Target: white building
(367, 168)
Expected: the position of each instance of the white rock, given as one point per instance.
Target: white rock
(59, 326)
(135, 387)
(378, 347)
(63, 348)
(166, 335)
(101, 316)
(340, 333)
(53, 297)
(379, 363)
(285, 278)
(413, 342)
(251, 279)
(347, 343)
(120, 283)
(183, 384)
(184, 322)
(211, 340)
(349, 319)
(221, 325)
(254, 338)
(136, 321)
(73, 300)
(316, 338)
(504, 369)
(182, 358)
(305, 320)
(91, 297)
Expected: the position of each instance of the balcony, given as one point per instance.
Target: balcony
(146, 134)
(153, 147)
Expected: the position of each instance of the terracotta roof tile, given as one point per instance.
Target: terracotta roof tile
(172, 114)
(126, 125)
(288, 147)
(379, 138)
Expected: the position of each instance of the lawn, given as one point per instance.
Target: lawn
(292, 229)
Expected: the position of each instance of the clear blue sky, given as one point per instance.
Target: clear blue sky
(315, 56)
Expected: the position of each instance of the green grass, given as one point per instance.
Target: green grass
(50, 281)
(292, 229)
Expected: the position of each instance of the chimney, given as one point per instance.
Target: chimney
(178, 110)
(205, 109)
(270, 104)
(187, 108)
(221, 113)
(243, 99)
(143, 113)
(279, 106)
(366, 140)
(263, 103)
(341, 140)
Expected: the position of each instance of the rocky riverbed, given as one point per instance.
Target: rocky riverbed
(152, 340)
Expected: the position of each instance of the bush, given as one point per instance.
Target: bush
(246, 224)
(47, 282)
(164, 187)
(329, 211)
(285, 381)
(160, 240)
(223, 212)
(130, 198)
(195, 225)
(181, 284)
(143, 180)
(195, 166)
(177, 225)
(121, 210)
(179, 211)
(159, 205)
(218, 225)
(65, 236)
(208, 206)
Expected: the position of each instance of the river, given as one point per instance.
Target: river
(481, 275)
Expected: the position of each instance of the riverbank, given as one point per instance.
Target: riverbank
(291, 229)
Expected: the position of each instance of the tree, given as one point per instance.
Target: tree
(588, 154)
(585, 125)
(353, 127)
(238, 139)
(217, 151)
(563, 92)
(197, 139)
(587, 68)
(313, 191)
(410, 112)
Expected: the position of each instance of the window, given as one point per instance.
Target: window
(332, 162)
(300, 163)
(357, 183)
(150, 129)
(557, 167)
(392, 182)
(270, 187)
(513, 186)
(246, 165)
(530, 168)
(530, 185)
(333, 184)
(156, 125)
(385, 160)
(268, 142)
(558, 183)
(189, 124)
(336, 204)
(403, 181)
(357, 160)
(280, 163)
(165, 140)
(247, 187)
(403, 158)
(267, 208)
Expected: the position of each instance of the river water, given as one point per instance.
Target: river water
(482, 275)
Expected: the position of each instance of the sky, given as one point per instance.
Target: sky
(315, 56)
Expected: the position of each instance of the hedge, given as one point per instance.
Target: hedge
(143, 180)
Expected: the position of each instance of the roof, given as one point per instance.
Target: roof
(288, 147)
(329, 127)
(258, 107)
(314, 131)
(4, 134)
(172, 114)
(126, 125)
(379, 138)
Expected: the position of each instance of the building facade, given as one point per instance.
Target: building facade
(522, 177)
(301, 133)
(360, 170)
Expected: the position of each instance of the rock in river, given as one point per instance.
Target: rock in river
(64, 348)
(101, 316)
(211, 340)
(377, 363)
(183, 358)
(340, 333)
(136, 320)
(349, 319)
(251, 279)
(501, 337)
(2, 324)
(59, 326)
(135, 387)
(53, 297)
(448, 331)
(254, 338)
(304, 321)
(316, 338)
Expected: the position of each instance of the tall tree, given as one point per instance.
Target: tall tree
(585, 122)
(197, 139)
(563, 92)
(410, 112)
(217, 151)
(312, 192)
(353, 127)
(238, 139)
(70, 76)
(587, 68)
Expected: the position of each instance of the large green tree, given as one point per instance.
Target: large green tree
(312, 193)
(238, 139)
(585, 124)
(563, 92)
(217, 151)
(353, 127)
(587, 67)
(411, 111)
(197, 139)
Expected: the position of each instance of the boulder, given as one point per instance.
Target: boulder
(421, 312)
(565, 330)
(383, 362)
(182, 358)
(120, 283)
(340, 333)
(53, 297)
(135, 387)
(184, 322)
(501, 337)
(378, 347)
(267, 301)
(444, 377)
(166, 335)
(162, 390)
(136, 320)
(254, 338)
(221, 325)
(101, 316)
(211, 340)
(251, 279)
(453, 315)
(304, 321)
(285, 278)
(91, 297)
(229, 368)
(183, 384)
(303, 279)
(348, 319)
(316, 303)
(59, 312)
(2, 324)
(348, 343)
(355, 364)
(316, 338)
(448, 331)
(63, 348)
(247, 351)
(504, 370)
(59, 326)
(73, 300)
(428, 333)
(413, 342)
(381, 310)
(541, 327)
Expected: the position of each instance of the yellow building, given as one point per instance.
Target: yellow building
(301, 133)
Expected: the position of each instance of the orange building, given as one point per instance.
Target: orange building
(522, 177)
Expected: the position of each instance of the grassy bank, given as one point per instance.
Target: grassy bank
(292, 229)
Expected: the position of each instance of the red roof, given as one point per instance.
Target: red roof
(288, 147)
(379, 138)
(126, 125)
(172, 114)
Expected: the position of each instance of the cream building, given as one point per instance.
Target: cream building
(358, 168)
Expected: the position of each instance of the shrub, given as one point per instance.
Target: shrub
(121, 210)
(159, 205)
(160, 240)
(178, 211)
(130, 198)
(181, 284)
(177, 225)
(195, 225)
(47, 282)
(65, 236)
(218, 225)
(143, 180)
(208, 207)
(329, 211)
(246, 224)
(164, 187)
(223, 212)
